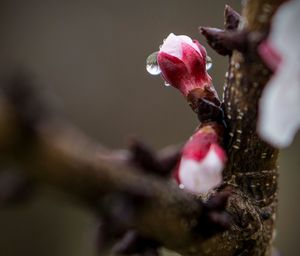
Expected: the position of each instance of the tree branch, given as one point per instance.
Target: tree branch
(252, 166)
(52, 151)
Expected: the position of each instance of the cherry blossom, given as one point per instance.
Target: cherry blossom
(279, 113)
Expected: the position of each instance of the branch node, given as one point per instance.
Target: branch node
(215, 218)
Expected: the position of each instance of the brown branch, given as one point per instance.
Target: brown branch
(252, 166)
(224, 41)
(52, 151)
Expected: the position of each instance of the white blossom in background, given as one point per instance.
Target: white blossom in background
(279, 112)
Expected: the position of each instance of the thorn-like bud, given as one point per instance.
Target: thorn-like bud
(231, 18)
(142, 156)
(160, 164)
(224, 42)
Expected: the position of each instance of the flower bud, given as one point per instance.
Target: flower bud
(182, 62)
(202, 161)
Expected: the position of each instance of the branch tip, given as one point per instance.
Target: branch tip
(231, 18)
(217, 39)
(225, 41)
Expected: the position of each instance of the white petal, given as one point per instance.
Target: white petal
(284, 35)
(279, 116)
(280, 103)
(200, 177)
(173, 45)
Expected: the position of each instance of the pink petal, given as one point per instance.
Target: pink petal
(196, 66)
(173, 69)
(199, 144)
(270, 56)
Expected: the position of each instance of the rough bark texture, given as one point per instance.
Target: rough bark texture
(51, 151)
(252, 168)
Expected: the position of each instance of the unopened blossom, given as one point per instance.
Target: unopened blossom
(202, 162)
(182, 62)
(279, 113)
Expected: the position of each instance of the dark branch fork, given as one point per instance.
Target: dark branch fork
(132, 189)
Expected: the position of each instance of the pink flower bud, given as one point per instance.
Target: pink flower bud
(182, 62)
(202, 162)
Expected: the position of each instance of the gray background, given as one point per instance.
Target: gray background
(92, 55)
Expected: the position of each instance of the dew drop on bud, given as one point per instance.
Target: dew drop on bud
(166, 84)
(152, 65)
(208, 63)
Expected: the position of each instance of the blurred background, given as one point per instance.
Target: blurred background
(92, 55)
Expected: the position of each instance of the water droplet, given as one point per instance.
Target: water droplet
(152, 65)
(181, 186)
(167, 84)
(208, 63)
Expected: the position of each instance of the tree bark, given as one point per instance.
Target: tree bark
(252, 168)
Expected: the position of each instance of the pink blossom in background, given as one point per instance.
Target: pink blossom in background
(279, 112)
